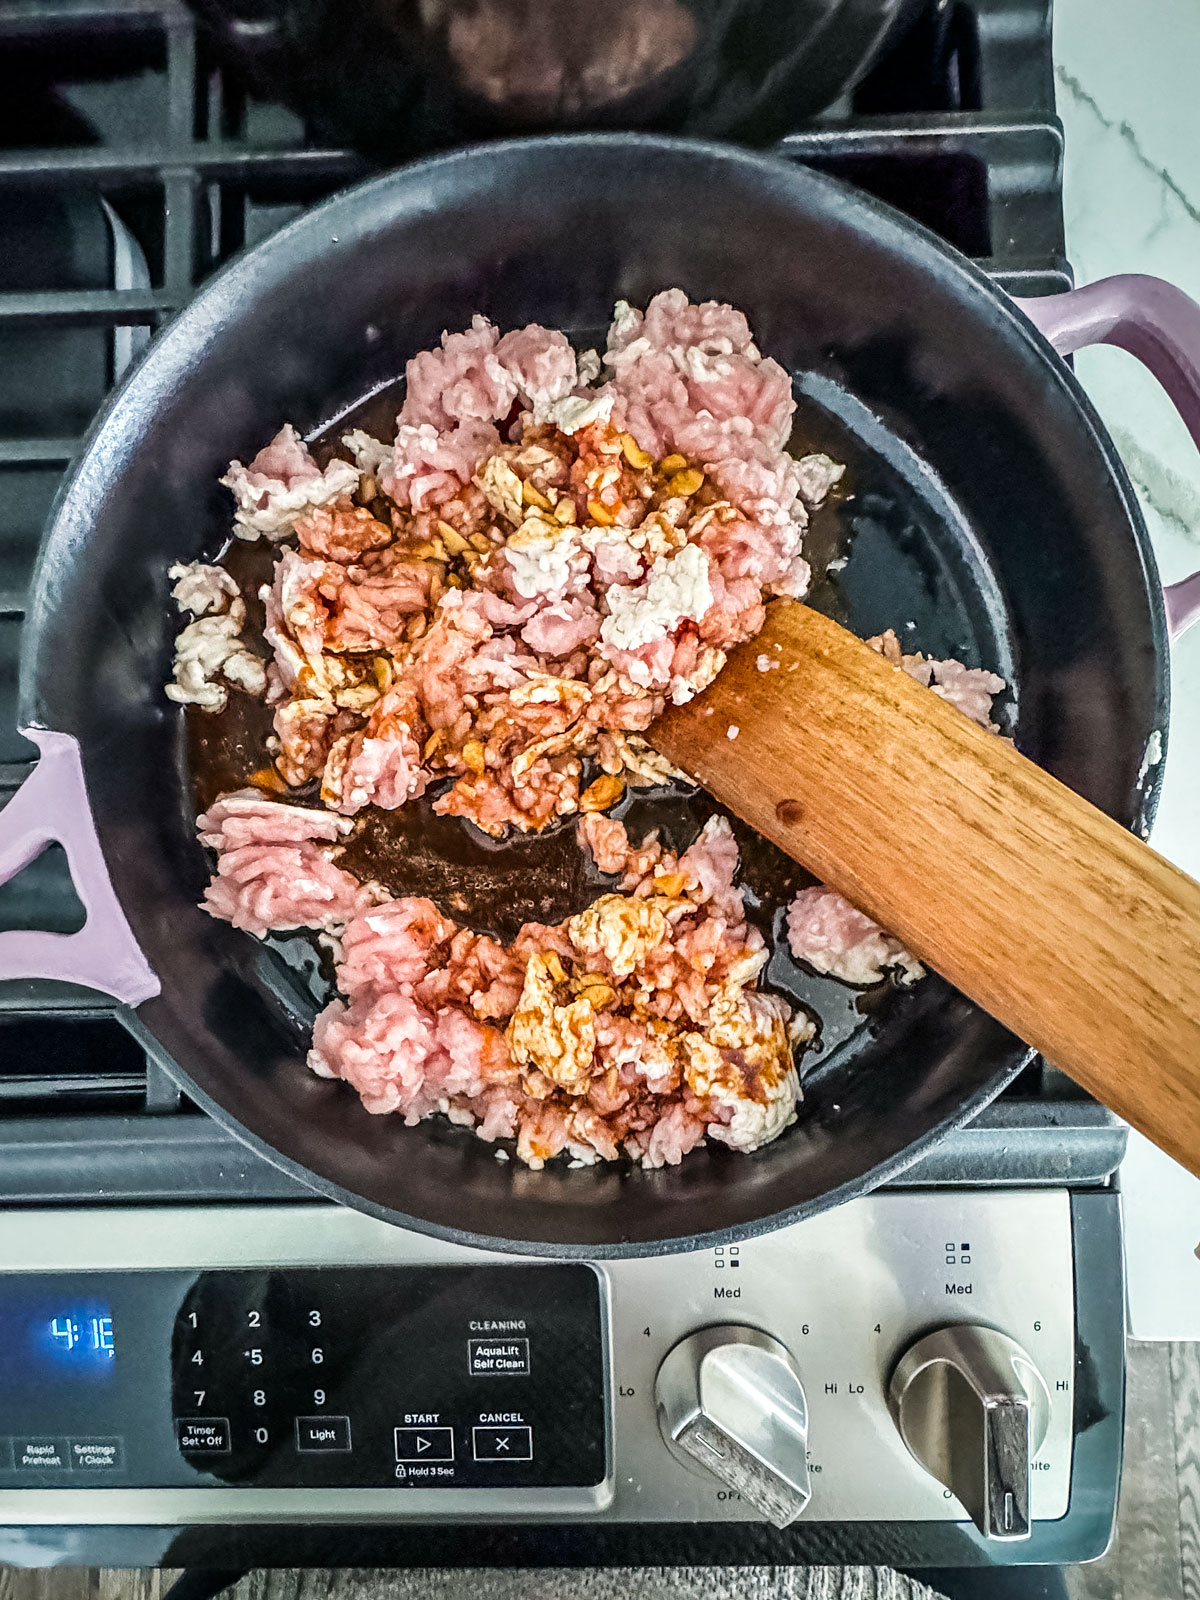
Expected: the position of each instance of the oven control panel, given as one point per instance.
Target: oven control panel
(907, 1357)
(309, 1378)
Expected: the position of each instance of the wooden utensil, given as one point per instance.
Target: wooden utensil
(1066, 927)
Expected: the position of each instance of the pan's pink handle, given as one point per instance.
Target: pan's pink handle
(52, 806)
(1160, 325)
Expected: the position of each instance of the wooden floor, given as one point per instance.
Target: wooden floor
(1156, 1555)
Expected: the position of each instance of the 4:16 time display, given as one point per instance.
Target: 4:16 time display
(76, 1331)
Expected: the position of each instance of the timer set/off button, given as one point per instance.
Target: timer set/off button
(203, 1436)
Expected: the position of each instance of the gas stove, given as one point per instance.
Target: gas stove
(202, 1363)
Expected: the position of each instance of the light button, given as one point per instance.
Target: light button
(508, 1443)
(322, 1433)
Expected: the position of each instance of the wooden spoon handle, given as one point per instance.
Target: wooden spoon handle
(1055, 919)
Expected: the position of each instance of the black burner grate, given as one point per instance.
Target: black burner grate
(131, 165)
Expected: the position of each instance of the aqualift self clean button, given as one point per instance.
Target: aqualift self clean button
(490, 1358)
(322, 1433)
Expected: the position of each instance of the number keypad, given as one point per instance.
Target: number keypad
(303, 1377)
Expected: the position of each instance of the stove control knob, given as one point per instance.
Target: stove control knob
(730, 1401)
(973, 1409)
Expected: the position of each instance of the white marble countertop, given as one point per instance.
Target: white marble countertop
(1126, 73)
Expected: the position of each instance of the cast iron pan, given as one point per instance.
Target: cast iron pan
(989, 511)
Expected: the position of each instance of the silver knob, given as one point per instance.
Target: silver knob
(973, 1409)
(730, 1401)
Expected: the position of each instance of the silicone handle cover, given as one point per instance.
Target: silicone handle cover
(52, 806)
(1160, 325)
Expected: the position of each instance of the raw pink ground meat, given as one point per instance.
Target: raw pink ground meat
(385, 1047)
(429, 467)
(285, 459)
(463, 381)
(380, 764)
(541, 363)
(675, 1133)
(689, 378)
(282, 483)
(504, 1038)
(271, 874)
(492, 612)
(392, 945)
(248, 816)
(825, 930)
(970, 689)
(454, 397)
(264, 888)
(361, 770)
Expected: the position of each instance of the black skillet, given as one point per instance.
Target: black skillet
(990, 519)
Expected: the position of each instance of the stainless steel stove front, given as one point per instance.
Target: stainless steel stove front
(846, 1294)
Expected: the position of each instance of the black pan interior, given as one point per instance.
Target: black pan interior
(988, 511)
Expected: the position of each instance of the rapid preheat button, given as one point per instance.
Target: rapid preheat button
(424, 1444)
(508, 1443)
(41, 1455)
(322, 1433)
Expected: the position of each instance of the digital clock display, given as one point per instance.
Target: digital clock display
(56, 1334)
(86, 1334)
(71, 1339)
